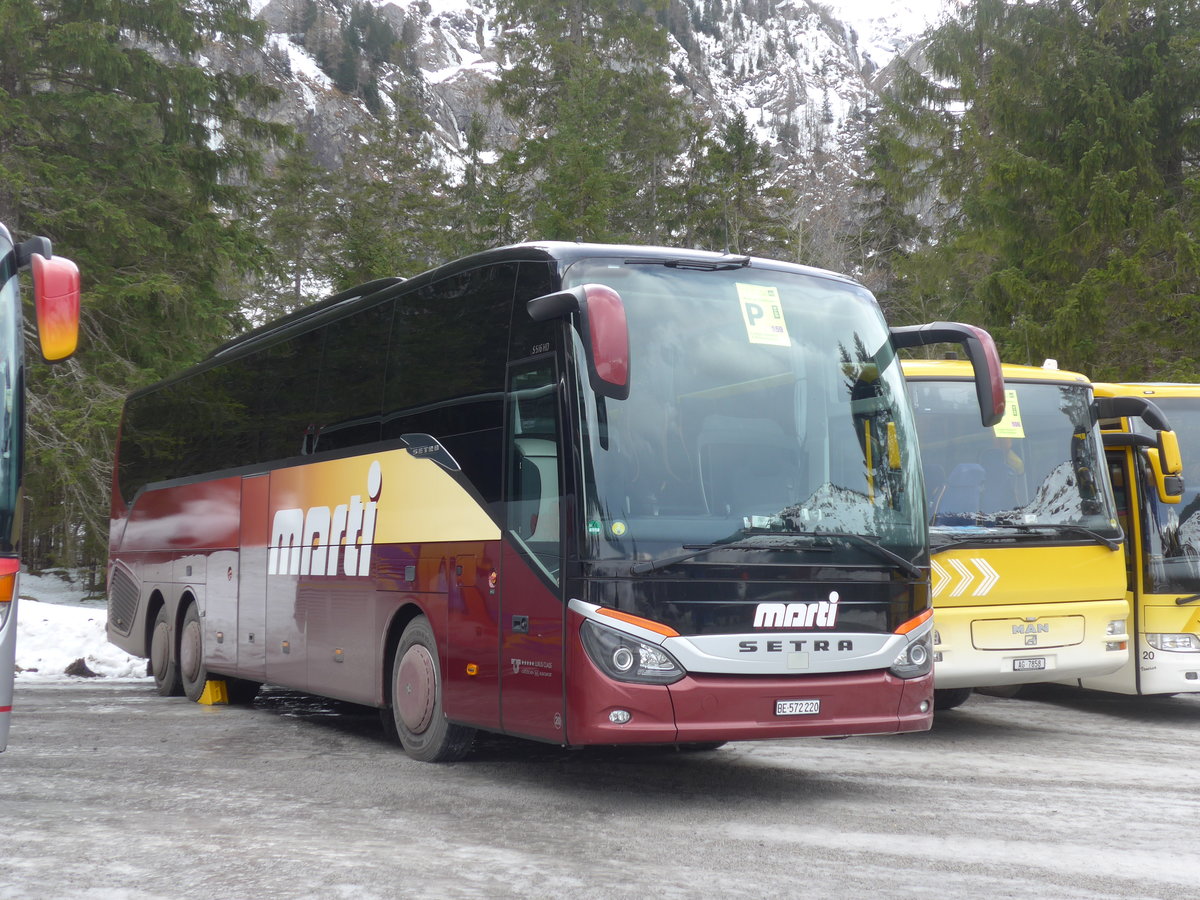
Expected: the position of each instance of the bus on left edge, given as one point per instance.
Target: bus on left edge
(56, 302)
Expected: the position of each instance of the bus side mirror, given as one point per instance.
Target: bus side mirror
(56, 303)
(981, 351)
(1169, 485)
(603, 327)
(1168, 453)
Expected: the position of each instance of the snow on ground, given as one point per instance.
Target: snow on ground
(57, 624)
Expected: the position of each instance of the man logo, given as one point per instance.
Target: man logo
(818, 614)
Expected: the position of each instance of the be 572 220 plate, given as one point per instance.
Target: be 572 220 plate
(797, 707)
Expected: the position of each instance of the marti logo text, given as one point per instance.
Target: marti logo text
(818, 614)
(324, 541)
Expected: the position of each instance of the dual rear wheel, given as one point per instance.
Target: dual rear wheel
(178, 665)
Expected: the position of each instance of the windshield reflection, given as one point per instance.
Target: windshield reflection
(757, 398)
(1172, 542)
(1041, 467)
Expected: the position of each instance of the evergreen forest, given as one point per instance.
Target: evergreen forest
(1037, 173)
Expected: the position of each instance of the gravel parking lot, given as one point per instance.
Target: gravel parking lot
(110, 791)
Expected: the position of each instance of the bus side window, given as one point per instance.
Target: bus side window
(1116, 472)
(533, 493)
(350, 388)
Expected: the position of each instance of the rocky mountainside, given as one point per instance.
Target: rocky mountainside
(803, 72)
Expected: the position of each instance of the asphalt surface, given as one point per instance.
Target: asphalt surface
(109, 792)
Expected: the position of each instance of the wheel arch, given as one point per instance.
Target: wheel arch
(399, 621)
(155, 602)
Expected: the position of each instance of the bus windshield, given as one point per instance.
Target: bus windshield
(1040, 468)
(1172, 542)
(763, 406)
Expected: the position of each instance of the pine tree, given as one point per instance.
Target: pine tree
(391, 215)
(134, 161)
(600, 127)
(1065, 153)
(296, 203)
(732, 201)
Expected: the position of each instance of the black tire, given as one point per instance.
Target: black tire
(949, 698)
(163, 663)
(416, 695)
(192, 672)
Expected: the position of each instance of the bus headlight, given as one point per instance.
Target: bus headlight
(915, 660)
(625, 658)
(1185, 643)
(1116, 626)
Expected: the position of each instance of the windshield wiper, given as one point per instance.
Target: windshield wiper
(1183, 601)
(653, 565)
(861, 540)
(813, 540)
(720, 264)
(1110, 543)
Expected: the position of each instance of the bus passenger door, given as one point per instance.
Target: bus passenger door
(531, 605)
(1122, 470)
(252, 578)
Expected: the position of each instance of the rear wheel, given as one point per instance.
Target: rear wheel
(949, 698)
(420, 725)
(163, 662)
(192, 671)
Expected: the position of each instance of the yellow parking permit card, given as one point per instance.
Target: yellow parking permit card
(1010, 426)
(762, 312)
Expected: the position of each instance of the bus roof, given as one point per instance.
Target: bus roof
(958, 369)
(562, 252)
(1147, 389)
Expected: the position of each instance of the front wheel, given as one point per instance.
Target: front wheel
(420, 725)
(949, 698)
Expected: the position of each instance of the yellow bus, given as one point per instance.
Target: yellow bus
(1159, 515)
(1027, 568)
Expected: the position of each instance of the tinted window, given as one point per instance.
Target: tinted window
(350, 392)
(445, 373)
(530, 338)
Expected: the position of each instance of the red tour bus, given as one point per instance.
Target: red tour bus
(583, 494)
(56, 309)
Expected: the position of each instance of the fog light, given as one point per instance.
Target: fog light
(1115, 645)
(619, 716)
(1190, 676)
(924, 707)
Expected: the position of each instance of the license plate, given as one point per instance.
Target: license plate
(797, 707)
(1033, 662)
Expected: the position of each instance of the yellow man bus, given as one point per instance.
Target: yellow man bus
(1028, 574)
(1162, 559)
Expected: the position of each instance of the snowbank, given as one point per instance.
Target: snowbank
(56, 625)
